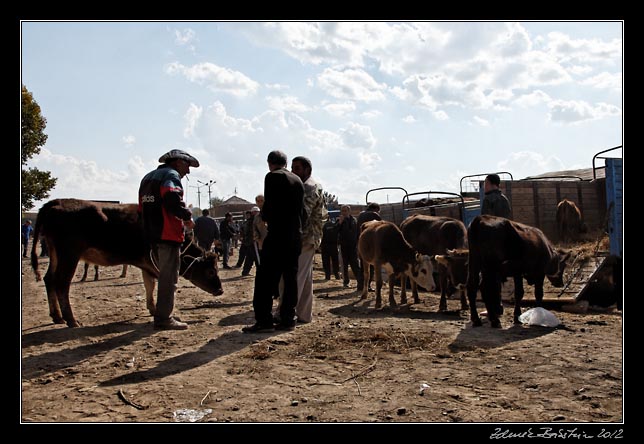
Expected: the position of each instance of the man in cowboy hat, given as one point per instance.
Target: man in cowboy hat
(164, 215)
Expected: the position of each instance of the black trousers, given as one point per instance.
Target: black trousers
(249, 258)
(350, 257)
(278, 258)
(330, 260)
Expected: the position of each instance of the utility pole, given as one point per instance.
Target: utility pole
(198, 194)
(208, 184)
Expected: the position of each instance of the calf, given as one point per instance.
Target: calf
(106, 234)
(501, 248)
(86, 269)
(569, 221)
(454, 262)
(434, 235)
(382, 244)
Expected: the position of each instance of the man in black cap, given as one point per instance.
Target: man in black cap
(164, 215)
(495, 202)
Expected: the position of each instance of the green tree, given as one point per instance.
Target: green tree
(215, 202)
(36, 184)
(331, 201)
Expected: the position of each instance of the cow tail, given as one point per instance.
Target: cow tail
(34, 255)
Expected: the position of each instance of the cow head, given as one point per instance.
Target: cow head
(455, 261)
(422, 271)
(556, 268)
(200, 268)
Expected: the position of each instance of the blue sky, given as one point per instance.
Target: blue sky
(372, 104)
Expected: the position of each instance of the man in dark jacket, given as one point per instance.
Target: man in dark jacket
(349, 245)
(206, 230)
(283, 212)
(329, 249)
(371, 213)
(164, 216)
(226, 232)
(495, 202)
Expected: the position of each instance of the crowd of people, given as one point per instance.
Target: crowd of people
(279, 236)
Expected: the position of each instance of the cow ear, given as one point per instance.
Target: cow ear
(441, 259)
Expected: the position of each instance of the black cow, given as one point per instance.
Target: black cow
(106, 234)
(501, 248)
(455, 265)
(434, 235)
(569, 221)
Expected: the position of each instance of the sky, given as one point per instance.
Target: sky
(416, 105)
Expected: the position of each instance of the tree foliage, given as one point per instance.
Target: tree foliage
(36, 184)
(331, 201)
(216, 201)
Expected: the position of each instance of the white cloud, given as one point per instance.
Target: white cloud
(216, 78)
(371, 114)
(129, 140)
(513, 41)
(184, 37)
(369, 160)
(605, 80)
(340, 109)
(440, 115)
(480, 121)
(409, 119)
(286, 103)
(529, 163)
(580, 51)
(351, 84)
(358, 136)
(578, 111)
(532, 99)
(276, 86)
(191, 117)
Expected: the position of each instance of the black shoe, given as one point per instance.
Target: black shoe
(227, 267)
(285, 327)
(337, 277)
(258, 328)
(277, 319)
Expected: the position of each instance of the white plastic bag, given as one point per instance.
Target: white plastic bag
(539, 316)
(190, 415)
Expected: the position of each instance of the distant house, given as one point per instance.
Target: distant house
(233, 205)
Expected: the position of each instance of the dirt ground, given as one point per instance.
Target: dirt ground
(353, 363)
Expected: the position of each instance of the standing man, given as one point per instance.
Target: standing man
(330, 261)
(227, 232)
(316, 215)
(495, 203)
(164, 216)
(283, 212)
(348, 238)
(372, 212)
(25, 233)
(206, 230)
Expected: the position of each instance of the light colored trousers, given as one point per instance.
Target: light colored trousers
(304, 307)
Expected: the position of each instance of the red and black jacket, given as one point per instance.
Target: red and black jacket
(161, 205)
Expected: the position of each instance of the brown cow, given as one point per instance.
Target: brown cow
(501, 248)
(455, 264)
(569, 221)
(86, 269)
(106, 234)
(382, 244)
(434, 235)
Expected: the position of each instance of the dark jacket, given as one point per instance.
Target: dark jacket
(496, 204)
(330, 231)
(283, 209)
(206, 229)
(226, 229)
(367, 216)
(348, 232)
(161, 205)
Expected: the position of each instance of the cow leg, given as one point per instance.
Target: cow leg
(392, 300)
(148, 282)
(403, 288)
(472, 289)
(62, 280)
(442, 277)
(95, 272)
(538, 291)
(52, 297)
(85, 269)
(491, 292)
(124, 271)
(365, 277)
(378, 286)
(414, 291)
(518, 296)
(464, 305)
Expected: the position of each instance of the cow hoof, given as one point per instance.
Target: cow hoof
(516, 320)
(476, 323)
(442, 308)
(465, 307)
(74, 324)
(363, 296)
(495, 324)
(58, 320)
(378, 305)
(416, 301)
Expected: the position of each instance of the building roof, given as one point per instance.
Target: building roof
(234, 200)
(583, 174)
